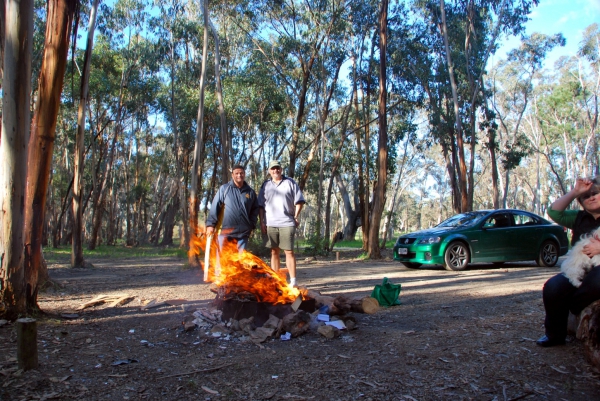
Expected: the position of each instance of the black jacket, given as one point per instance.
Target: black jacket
(584, 224)
(241, 210)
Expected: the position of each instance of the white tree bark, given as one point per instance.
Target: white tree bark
(16, 120)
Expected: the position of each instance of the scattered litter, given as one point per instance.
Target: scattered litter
(98, 366)
(559, 370)
(132, 331)
(286, 336)
(124, 362)
(338, 324)
(321, 317)
(208, 390)
(3, 322)
(274, 377)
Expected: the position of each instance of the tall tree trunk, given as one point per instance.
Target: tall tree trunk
(2, 34)
(77, 248)
(41, 142)
(225, 139)
(99, 204)
(462, 167)
(374, 251)
(198, 149)
(16, 88)
(334, 168)
(362, 196)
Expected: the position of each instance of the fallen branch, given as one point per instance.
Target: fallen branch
(196, 371)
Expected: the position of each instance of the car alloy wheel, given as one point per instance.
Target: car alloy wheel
(548, 255)
(456, 257)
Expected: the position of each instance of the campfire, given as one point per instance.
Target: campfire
(253, 298)
(247, 287)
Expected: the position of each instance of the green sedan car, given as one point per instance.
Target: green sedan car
(496, 236)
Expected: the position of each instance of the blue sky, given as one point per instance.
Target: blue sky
(569, 17)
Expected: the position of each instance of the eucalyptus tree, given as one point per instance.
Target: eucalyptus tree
(41, 142)
(16, 85)
(559, 115)
(466, 34)
(589, 51)
(78, 159)
(125, 23)
(511, 84)
(297, 33)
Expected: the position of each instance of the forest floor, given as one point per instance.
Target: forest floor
(457, 335)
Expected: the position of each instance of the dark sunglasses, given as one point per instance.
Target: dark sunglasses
(588, 195)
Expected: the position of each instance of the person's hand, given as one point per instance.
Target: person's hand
(593, 248)
(209, 231)
(297, 221)
(582, 185)
(263, 227)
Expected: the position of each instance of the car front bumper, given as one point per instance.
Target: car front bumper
(427, 254)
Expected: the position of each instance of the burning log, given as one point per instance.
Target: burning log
(296, 323)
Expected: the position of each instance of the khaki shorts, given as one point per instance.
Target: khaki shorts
(281, 237)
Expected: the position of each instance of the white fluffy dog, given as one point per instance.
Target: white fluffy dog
(577, 263)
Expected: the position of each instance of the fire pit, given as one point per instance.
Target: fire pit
(247, 287)
(237, 309)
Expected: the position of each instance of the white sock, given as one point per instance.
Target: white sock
(292, 281)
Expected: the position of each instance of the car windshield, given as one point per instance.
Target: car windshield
(462, 220)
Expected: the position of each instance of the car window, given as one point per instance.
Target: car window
(498, 220)
(522, 219)
(462, 220)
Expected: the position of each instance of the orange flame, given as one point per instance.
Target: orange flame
(244, 271)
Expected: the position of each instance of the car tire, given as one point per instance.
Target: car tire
(412, 265)
(456, 256)
(548, 254)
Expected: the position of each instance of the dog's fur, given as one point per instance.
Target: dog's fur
(577, 263)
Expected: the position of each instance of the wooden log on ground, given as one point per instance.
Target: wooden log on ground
(364, 305)
(296, 323)
(335, 305)
(588, 331)
(27, 353)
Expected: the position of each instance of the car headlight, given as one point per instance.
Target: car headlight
(430, 240)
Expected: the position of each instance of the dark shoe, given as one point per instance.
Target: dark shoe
(544, 341)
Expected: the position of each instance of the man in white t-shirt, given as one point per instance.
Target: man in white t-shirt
(280, 200)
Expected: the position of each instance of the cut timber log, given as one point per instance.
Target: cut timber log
(340, 305)
(364, 305)
(27, 354)
(588, 331)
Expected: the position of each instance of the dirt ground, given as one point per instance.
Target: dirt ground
(457, 335)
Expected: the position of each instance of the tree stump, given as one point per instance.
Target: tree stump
(27, 354)
(588, 332)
